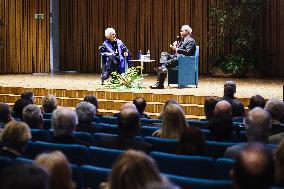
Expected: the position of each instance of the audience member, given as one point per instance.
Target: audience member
(173, 122)
(86, 112)
(26, 99)
(257, 125)
(141, 104)
(221, 125)
(279, 165)
(209, 106)
(170, 101)
(14, 139)
(49, 103)
(32, 115)
(133, 169)
(256, 101)
(59, 169)
(128, 128)
(254, 167)
(93, 100)
(5, 114)
(229, 92)
(125, 106)
(64, 121)
(275, 108)
(24, 176)
(192, 142)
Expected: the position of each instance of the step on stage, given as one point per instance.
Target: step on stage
(75, 86)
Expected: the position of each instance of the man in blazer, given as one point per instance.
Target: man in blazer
(185, 47)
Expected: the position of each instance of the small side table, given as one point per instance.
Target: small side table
(142, 62)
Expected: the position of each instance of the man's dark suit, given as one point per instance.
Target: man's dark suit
(186, 47)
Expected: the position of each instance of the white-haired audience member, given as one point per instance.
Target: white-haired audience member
(257, 125)
(64, 121)
(275, 107)
(32, 115)
(86, 113)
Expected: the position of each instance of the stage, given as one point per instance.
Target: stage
(208, 86)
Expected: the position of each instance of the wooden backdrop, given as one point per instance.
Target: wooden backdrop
(141, 24)
(24, 41)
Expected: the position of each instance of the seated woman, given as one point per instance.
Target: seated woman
(173, 122)
(115, 51)
(14, 139)
(192, 142)
(59, 169)
(133, 169)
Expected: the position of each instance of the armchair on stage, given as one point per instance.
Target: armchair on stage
(186, 73)
(104, 57)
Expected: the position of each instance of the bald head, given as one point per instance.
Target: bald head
(254, 167)
(223, 107)
(257, 124)
(275, 107)
(129, 121)
(128, 105)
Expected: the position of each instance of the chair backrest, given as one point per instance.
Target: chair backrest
(40, 134)
(93, 176)
(47, 115)
(148, 130)
(77, 154)
(162, 145)
(86, 137)
(108, 128)
(217, 149)
(47, 124)
(197, 183)
(103, 157)
(185, 165)
(108, 119)
(223, 168)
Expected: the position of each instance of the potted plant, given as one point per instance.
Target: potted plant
(234, 23)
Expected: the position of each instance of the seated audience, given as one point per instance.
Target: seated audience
(24, 176)
(238, 109)
(275, 108)
(133, 169)
(256, 101)
(49, 103)
(59, 169)
(5, 114)
(279, 165)
(128, 128)
(93, 100)
(192, 142)
(221, 125)
(209, 106)
(125, 106)
(64, 121)
(14, 139)
(26, 99)
(254, 168)
(257, 125)
(173, 122)
(32, 116)
(170, 101)
(141, 104)
(86, 112)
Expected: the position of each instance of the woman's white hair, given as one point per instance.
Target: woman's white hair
(109, 31)
(187, 28)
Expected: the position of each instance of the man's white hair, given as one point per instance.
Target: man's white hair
(109, 31)
(187, 28)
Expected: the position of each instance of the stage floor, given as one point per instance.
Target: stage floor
(208, 86)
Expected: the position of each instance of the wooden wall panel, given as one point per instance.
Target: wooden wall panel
(26, 40)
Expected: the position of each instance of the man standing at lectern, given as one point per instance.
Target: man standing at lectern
(185, 47)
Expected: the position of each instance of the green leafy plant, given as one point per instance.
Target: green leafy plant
(233, 30)
(131, 79)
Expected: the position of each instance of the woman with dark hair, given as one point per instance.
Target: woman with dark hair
(26, 99)
(192, 142)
